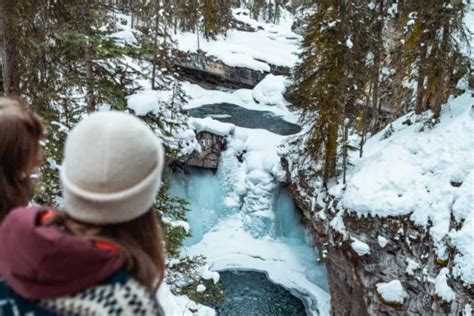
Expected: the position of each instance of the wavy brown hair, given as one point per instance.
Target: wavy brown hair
(20, 150)
(140, 241)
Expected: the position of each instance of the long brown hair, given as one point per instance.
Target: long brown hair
(140, 241)
(20, 133)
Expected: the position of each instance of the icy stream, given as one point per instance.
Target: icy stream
(233, 238)
(230, 113)
(242, 216)
(251, 293)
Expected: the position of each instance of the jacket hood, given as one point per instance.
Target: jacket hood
(40, 262)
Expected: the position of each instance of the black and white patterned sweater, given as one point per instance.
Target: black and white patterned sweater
(121, 296)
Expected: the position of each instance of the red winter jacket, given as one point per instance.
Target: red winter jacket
(43, 262)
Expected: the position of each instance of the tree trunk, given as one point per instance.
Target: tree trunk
(420, 80)
(91, 101)
(331, 151)
(345, 150)
(8, 47)
(155, 46)
(440, 92)
(377, 64)
(365, 122)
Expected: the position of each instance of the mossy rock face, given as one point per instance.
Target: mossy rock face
(441, 262)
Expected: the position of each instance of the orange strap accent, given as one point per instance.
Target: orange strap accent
(105, 245)
(99, 244)
(45, 216)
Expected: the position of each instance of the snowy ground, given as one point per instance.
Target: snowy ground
(428, 173)
(273, 44)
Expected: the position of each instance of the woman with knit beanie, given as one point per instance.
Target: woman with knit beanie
(20, 153)
(104, 254)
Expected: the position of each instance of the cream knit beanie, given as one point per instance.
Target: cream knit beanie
(112, 169)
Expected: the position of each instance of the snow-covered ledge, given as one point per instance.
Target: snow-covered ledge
(404, 222)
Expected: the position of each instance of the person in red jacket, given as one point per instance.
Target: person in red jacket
(104, 253)
(20, 153)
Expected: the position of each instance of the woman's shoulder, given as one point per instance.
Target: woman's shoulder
(120, 295)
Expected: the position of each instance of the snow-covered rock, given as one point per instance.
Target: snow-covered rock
(382, 241)
(410, 199)
(125, 37)
(212, 126)
(360, 247)
(442, 289)
(208, 274)
(270, 90)
(412, 266)
(392, 292)
(411, 172)
(274, 45)
(467, 310)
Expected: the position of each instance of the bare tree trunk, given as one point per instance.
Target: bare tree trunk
(345, 153)
(155, 46)
(377, 64)
(91, 100)
(440, 86)
(8, 48)
(419, 92)
(420, 84)
(365, 123)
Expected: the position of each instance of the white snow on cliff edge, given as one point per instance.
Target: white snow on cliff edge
(424, 172)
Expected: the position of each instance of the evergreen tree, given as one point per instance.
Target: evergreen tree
(257, 7)
(188, 15)
(431, 54)
(216, 17)
(331, 79)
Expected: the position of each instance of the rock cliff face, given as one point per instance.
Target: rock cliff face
(210, 153)
(209, 69)
(353, 278)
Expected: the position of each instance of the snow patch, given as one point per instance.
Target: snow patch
(467, 310)
(412, 266)
(270, 90)
(180, 304)
(148, 101)
(442, 289)
(392, 292)
(208, 274)
(212, 126)
(201, 288)
(382, 241)
(360, 247)
(274, 45)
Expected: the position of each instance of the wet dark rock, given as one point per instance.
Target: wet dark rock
(211, 148)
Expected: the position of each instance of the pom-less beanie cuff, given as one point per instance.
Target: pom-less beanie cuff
(115, 207)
